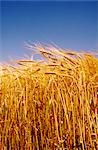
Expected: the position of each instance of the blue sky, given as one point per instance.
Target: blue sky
(70, 25)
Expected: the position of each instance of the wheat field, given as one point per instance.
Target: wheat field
(50, 104)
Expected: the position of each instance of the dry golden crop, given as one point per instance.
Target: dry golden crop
(50, 104)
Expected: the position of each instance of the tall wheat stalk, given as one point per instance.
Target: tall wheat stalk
(50, 105)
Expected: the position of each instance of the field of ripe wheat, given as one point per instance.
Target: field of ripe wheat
(50, 104)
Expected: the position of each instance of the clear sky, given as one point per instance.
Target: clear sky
(70, 24)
